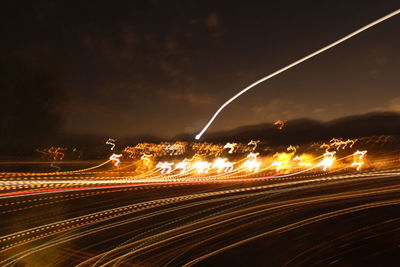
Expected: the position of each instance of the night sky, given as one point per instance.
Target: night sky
(164, 67)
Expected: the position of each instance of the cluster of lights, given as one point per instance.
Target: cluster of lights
(281, 162)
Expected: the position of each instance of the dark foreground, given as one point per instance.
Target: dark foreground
(313, 219)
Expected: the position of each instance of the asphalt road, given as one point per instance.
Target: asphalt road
(116, 218)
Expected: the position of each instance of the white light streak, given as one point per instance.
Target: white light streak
(198, 136)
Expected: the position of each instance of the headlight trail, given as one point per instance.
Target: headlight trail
(198, 136)
(4, 174)
(182, 207)
(229, 217)
(299, 224)
(245, 200)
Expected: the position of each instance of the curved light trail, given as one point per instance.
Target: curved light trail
(198, 136)
(118, 217)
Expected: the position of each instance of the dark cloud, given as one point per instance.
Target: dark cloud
(163, 67)
(212, 20)
(186, 97)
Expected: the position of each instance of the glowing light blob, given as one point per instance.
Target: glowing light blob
(253, 143)
(166, 167)
(115, 159)
(358, 159)
(183, 166)
(202, 166)
(252, 165)
(231, 147)
(327, 161)
(111, 142)
(146, 158)
(222, 164)
(279, 124)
